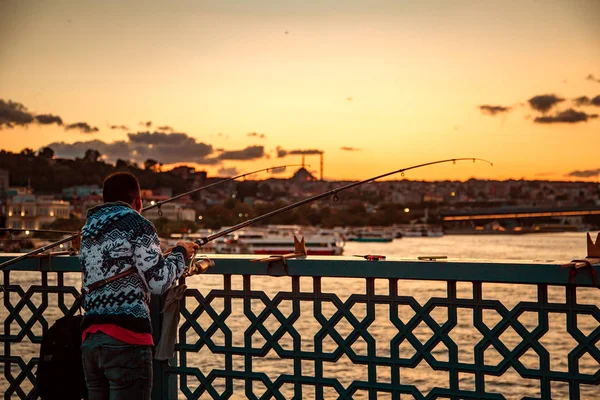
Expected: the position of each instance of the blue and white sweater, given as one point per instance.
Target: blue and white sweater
(116, 238)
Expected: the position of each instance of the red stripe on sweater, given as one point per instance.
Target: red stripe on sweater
(120, 333)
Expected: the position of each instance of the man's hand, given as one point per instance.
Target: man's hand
(190, 248)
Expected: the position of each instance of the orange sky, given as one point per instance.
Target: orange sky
(399, 80)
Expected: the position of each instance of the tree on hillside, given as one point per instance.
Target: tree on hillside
(122, 164)
(46, 153)
(126, 164)
(25, 167)
(92, 155)
(152, 165)
(27, 152)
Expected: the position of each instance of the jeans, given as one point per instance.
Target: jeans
(116, 370)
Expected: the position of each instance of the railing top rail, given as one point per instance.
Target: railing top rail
(498, 271)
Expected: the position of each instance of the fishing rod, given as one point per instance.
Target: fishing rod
(334, 192)
(160, 203)
(72, 237)
(27, 231)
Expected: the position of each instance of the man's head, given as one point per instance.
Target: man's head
(122, 186)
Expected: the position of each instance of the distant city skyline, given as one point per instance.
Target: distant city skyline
(234, 86)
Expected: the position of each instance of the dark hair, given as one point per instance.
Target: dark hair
(120, 186)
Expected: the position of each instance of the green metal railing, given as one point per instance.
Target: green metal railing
(339, 327)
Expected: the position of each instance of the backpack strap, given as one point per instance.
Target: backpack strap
(103, 282)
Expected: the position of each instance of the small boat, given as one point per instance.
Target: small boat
(434, 233)
(370, 235)
(421, 230)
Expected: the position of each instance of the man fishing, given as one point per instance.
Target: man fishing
(122, 266)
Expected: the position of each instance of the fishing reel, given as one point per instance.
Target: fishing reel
(198, 265)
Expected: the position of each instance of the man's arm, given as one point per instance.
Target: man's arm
(157, 271)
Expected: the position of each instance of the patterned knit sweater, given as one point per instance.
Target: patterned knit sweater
(116, 238)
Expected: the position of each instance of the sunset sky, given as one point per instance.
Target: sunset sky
(376, 85)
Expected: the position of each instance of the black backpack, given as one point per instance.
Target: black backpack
(60, 372)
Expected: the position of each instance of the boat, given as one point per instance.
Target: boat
(172, 240)
(434, 232)
(420, 230)
(269, 241)
(370, 235)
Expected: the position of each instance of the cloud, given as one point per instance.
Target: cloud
(165, 148)
(255, 134)
(586, 101)
(586, 173)
(493, 110)
(228, 171)
(113, 151)
(249, 153)
(346, 148)
(121, 127)
(569, 116)
(83, 127)
(276, 171)
(544, 102)
(591, 77)
(160, 138)
(581, 101)
(282, 153)
(170, 148)
(47, 119)
(165, 128)
(147, 124)
(13, 113)
(16, 114)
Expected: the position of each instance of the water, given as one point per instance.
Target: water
(559, 247)
(552, 246)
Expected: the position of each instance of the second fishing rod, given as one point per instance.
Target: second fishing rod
(333, 192)
(270, 169)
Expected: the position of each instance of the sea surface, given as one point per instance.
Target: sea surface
(560, 247)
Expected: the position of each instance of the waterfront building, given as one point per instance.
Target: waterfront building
(172, 212)
(28, 211)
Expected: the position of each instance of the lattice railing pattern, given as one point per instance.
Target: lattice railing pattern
(422, 336)
(29, 307)
(260, 336)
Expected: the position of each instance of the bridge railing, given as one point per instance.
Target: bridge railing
(339, 327)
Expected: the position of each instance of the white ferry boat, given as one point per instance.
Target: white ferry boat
(176, 237)
(269, 241)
